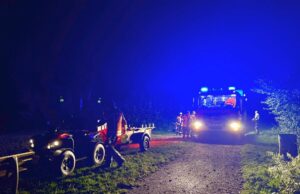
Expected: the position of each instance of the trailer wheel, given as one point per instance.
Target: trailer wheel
(67, 162)
(145, 144)
(98, 154)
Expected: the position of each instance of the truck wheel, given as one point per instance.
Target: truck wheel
(67, 162)
(98, 154)
(145, 144)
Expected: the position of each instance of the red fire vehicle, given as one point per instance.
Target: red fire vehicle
(219, 110)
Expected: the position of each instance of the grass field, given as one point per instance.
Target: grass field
(113, 180)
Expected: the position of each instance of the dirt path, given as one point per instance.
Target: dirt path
(207, 168)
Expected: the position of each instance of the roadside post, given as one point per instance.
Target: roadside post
(288, 144)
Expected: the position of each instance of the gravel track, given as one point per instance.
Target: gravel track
(207, 168)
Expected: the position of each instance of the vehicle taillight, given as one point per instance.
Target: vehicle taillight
(63, 136)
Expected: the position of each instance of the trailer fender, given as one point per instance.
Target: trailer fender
(60, 151)
(138, 137)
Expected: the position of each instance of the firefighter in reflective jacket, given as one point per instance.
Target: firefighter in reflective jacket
(255, 120)
(113, 118)
(191, 121)
(179, 124)
(185, 125)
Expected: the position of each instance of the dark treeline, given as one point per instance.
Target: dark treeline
(47, 102)
(37, 98)
(44, 102)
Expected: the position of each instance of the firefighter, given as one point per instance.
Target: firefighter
(191, 121)
(256, 120)
(179, 124)
(185, 125)
(112, 117)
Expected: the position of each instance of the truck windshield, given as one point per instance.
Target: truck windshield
(217, 101)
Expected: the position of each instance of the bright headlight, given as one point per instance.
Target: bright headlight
(235, 126)
(31, 143)
(197, 125)
(54, 144)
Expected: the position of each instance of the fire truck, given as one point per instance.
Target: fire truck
(219, 110)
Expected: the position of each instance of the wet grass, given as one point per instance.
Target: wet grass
(113, 180)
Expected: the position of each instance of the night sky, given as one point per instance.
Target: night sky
(156, 48)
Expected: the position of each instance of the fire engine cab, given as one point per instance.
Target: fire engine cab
(219, 110)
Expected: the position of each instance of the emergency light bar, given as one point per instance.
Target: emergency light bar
(204, 89)
(232, 89)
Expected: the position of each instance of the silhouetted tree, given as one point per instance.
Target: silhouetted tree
(284, 104)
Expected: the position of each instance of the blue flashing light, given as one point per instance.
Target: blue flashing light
(241, 92)
(204, 89)
(61, 99)
(231, 88)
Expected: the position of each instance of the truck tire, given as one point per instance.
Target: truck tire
(145, 144)
(66, 163)
(98, 154)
